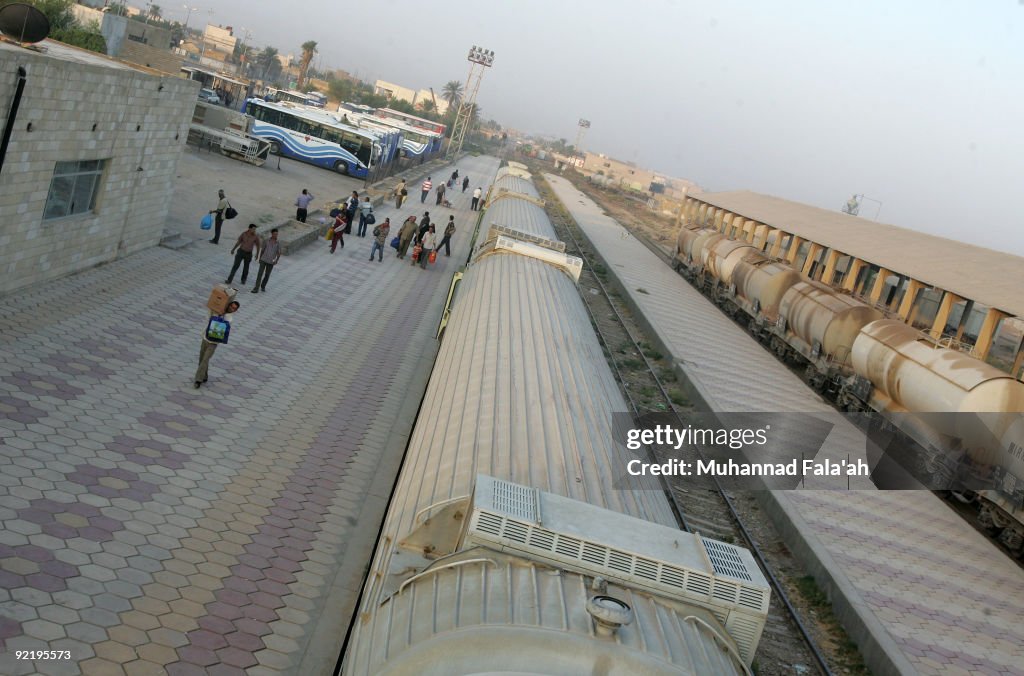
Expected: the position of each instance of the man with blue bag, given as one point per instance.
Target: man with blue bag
(222, 306)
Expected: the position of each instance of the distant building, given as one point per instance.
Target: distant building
(89, 173)
(219, 38)
(411, 96)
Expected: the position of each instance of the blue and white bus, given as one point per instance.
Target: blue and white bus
(416, 142)
(319, 138)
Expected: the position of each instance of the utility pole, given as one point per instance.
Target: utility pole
(479, 59)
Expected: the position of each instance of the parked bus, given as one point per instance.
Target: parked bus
(318, 138)
(416, 141)
(312, 99)
(411, 120)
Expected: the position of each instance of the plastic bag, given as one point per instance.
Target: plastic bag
(330, 234)
(433, 257)
(218, 330)
(370, 219)
(395, 242)
(207, 222)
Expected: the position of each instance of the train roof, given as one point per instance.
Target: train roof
(989, 277)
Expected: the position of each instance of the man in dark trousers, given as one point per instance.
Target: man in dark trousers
(465, 183)
(218, 220)
(248, 243)
(449, 230)
(440, 193)
(424, 226)
(269, 256)
(302, 204)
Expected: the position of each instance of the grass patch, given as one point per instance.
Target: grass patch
(678, 397)
(633, 363)
(811, 592)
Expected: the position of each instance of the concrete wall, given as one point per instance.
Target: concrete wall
(141, 130)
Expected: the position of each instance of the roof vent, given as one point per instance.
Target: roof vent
(634, 553)
(571, 265)
(609, 613)
(497, 230)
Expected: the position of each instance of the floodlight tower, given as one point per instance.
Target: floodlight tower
(584, 125)
(479, 59)
(852, 205)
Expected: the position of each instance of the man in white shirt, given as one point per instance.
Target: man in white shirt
(475, 206)
(302, 204)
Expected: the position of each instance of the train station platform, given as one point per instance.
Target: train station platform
(149, 527)
(917, 588)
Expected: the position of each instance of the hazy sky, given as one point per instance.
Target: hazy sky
(918, 104)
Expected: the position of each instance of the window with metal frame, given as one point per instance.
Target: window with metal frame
(74, 188)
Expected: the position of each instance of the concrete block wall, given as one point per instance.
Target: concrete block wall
(141, 124)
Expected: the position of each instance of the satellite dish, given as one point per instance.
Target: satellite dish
(23, 23)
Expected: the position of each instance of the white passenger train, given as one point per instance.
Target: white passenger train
(515, 541)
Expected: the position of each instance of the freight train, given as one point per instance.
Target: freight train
(865, 362)
(515, 541)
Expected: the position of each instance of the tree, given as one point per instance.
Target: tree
(425, 106)
(308, 50)
(341, 90)
(64, 27)
(155, 12)
(268, 65)
(452, 92)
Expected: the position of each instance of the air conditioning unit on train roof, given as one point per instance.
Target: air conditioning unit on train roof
(570, 265)
(573, 535)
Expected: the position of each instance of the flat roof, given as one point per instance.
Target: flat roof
(63, 52)
(991, 278)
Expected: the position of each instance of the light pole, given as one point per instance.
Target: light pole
(479, 59)
(188, 16)
(852, 206)
(583, 125)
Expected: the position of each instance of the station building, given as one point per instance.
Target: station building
(89, 173)
(966, 297)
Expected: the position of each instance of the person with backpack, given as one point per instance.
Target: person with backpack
(449, 230)
(380, 239)
(222, 205)
(366, 216)
(208, 346)
(406, 235)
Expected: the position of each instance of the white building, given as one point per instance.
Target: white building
(90, 169)
(400, 93)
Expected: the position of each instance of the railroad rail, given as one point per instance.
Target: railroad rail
(711, 513)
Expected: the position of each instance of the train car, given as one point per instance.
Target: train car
(515, 541)
(865, 362)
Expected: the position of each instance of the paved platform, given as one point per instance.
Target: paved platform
(918, 588)
(149, 527)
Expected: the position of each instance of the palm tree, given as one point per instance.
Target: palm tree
(452, 92)
(266, 60)
(308, 50)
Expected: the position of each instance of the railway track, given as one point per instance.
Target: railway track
(788, 645)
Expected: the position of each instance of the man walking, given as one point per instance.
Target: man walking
(351, 206)
(365, 211)
(465, 183)
(475, 206)
(247, 243)
(424, 226)
(218, 221)
(440, 193)
(405, 235)
(425, 190)
(449, 230)
(207, 348)
(380, 238)
(301, 204)
(400, 193)
(269, 256)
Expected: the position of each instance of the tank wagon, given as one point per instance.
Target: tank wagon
(515, 541)
(866, 362)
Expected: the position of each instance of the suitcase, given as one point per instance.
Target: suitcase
(220, 297)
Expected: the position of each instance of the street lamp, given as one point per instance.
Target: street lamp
(188, 16)
(479, 59)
